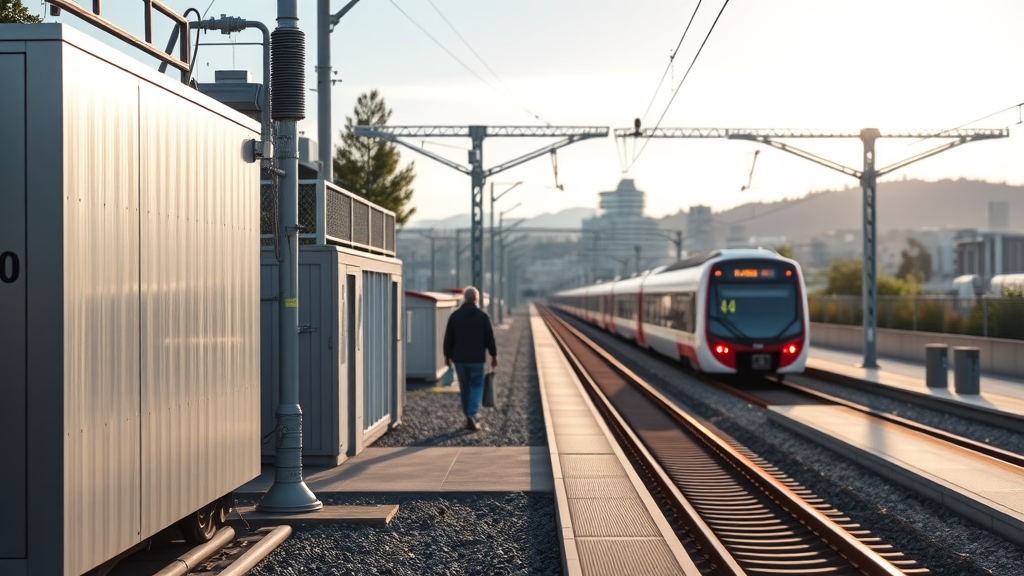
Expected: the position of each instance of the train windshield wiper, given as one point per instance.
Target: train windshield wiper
(786, 329)
(730, 326)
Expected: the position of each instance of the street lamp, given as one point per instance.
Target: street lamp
(493, 200)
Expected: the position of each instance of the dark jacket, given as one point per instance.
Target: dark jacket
(468, 335)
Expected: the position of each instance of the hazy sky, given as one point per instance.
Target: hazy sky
(842, 64)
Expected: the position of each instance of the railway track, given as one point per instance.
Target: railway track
(746, 517)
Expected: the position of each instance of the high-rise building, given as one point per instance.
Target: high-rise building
(998, 215)
(700, 231)
(621, 240)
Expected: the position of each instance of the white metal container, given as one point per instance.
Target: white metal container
(426, 319)
(129, 235)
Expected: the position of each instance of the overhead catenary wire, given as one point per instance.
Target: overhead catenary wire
(456, 58)
(681, 81)
(671, 60)
(985, 117)
(482, 61)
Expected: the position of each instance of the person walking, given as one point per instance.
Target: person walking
(467, 338)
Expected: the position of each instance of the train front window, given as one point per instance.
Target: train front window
(749, 308)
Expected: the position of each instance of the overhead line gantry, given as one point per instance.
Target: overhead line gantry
(868, 177)
(475, 170)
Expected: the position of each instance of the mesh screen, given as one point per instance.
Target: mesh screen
(266, 208)
(360, 221)
(377, 229)
(389, 233)
(307, 208)
(339, 215)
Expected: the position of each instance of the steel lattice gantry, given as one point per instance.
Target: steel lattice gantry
(868, 177)
(476, 171)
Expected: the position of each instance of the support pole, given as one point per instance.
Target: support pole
(323, 89)
(433, 258)
(869, 184)
(289, 493)
(490, 308)
(679, 245)
(476, 159)
(458, 257)
(504, 280)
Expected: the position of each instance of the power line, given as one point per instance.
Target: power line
(986, 117)
(671, 60)
(489, 69)
(674, 93)
(456, 58)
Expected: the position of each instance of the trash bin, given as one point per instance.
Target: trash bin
(936, 365)
(966, 370)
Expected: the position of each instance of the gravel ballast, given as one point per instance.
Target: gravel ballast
(937, 538)
(433, 416)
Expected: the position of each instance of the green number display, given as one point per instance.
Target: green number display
(728, 306)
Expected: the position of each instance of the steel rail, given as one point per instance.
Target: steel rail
(859, 556)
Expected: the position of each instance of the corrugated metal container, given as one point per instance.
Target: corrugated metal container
(129, 238)
(426, 316)
(350, 350)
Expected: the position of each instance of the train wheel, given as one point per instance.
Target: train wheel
(224, 506)
(200, 526)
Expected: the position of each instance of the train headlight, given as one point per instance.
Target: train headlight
(790, 352)
(724, 354)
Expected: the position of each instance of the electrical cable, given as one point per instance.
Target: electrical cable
(207, 9)
(456, 58)
(195, 50)
(489, 69)
(687, 74)
(671, 59)
(986, 117)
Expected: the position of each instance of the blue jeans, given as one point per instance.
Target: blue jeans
(471, 387)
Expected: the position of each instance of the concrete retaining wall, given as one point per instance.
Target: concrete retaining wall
(998, 356)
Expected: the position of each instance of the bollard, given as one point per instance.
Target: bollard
(966, 370)
(936, 365)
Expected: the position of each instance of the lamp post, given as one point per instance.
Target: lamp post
(501, 217)
(491, 234)
(325, 23)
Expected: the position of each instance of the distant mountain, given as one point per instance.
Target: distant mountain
(568, 218)
(904, 204)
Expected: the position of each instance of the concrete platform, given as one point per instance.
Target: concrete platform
(418, 469)
(378, 516)
(986, 490)
(607, 521)
(1000, 397)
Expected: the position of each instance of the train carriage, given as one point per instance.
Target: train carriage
(727, 311)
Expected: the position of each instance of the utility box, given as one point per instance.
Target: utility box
(351, 384)
(426, 319)
(129, 301)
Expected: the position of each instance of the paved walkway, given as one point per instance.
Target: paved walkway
(422, 469)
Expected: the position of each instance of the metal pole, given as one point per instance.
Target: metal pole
(869, 183)
(636, 248)
(323, 89)
(458, 257)
(433, 254)
(289, 493)
(490, 307)
(476, 159)
(504, 280)
(679, 245)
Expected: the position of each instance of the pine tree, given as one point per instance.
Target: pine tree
(12, 12)
(369, 166)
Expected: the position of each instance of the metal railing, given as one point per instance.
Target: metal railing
(989, 317)
(330, 215)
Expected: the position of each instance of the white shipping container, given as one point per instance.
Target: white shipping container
(129, 300)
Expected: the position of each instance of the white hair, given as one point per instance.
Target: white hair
(470, 294)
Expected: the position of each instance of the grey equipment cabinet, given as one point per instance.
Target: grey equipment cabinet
(426, 317)
(129, 290)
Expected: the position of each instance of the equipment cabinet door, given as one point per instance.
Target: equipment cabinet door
(13, 306)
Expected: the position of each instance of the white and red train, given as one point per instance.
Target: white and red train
(727, 311)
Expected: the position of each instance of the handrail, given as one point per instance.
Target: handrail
(96, 18)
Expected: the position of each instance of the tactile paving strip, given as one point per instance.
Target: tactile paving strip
(584, 465)
(632, 557)
(625, 518)
(608, 487)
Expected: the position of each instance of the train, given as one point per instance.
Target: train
(728, 311)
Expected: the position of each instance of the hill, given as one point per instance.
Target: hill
(902, 204)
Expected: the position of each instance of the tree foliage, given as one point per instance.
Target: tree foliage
(846, 277)
(369, 166)
(13, 12)
(785, 251)
(915, 261)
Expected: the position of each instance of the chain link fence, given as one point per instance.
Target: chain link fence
(987, 316)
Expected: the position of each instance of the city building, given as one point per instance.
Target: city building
(700, 231)
(989, 254)
(620, 240)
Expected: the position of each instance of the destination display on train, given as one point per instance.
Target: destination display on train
(753, 273)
